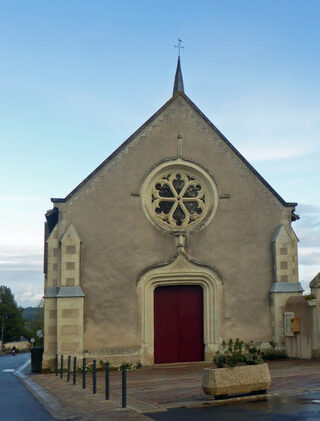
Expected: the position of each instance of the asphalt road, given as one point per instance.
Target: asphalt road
(301, 408)
(16, 402)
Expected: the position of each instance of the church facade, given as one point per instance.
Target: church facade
(172, 245)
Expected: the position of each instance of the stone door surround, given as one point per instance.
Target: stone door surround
(181, 271)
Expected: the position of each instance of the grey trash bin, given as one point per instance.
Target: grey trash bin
(36, 360)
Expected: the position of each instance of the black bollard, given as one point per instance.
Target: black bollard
(83, 373)
(56, 365)
(124, 386)
(74, 369)
(107, 382)
(61, 367)
(94, 378)
(69, 367)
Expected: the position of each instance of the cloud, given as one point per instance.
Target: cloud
(21, 270)
(252, 153)
(263, 115)
(20, 258)
(26, 286)
(20, 198)
(310, 210)
(308, 228)
(311, 259)
(308, 231)
(265, 130)
(305, 286)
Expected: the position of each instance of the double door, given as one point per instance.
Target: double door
(178, 324)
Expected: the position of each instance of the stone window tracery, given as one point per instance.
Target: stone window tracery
(179, 196)
(178, 199)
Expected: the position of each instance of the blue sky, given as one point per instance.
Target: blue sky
(78, 77)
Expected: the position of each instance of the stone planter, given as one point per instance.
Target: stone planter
(312, 303)
(236, 380)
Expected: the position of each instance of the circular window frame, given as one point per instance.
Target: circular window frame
(200, 175)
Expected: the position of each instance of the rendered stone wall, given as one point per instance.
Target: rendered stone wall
(119, 243)
(50, 331)
(70, 325)
(285, 255)
(50, 303)
(299, 345)
(52, 259)
(278, 301)
(63, 308)
(315, 307)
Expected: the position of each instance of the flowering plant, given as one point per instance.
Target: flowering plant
(236, 353)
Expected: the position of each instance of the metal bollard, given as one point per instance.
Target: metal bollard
(74, 369)
(107, 381)
(61, 367)
(83, 373)
(124, 386)
(56, 365)
(69, 366)
(94, 378)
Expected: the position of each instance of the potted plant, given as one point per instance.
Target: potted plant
(239, 370)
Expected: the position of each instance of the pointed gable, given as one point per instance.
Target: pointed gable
(70, 257)
(315, 283)
(285, 254)
(70, 236)
(182, 96)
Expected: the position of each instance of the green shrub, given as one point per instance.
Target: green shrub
(129, 366)
(220, 360)
(273, 354)
(309, 297)
(102, 365)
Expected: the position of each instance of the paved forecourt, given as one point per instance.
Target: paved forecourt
(156, 389)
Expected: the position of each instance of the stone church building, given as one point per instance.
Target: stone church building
(172, 244)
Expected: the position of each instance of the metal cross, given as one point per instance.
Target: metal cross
(179, 46)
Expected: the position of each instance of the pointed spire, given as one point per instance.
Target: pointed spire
(178, 80)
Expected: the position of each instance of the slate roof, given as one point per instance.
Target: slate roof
(286, 287)
(178, 80)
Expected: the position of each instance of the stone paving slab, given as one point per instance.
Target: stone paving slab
(158, 388)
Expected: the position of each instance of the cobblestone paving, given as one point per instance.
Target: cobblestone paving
(157, 388)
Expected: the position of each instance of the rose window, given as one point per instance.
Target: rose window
(178, 199)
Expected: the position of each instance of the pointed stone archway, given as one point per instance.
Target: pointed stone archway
(181, 271)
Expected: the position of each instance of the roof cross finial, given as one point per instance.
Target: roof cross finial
(178, 80)
(179, 46)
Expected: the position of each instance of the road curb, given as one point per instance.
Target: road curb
(50, 403)
(220, 402)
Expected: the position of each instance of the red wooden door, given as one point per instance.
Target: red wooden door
(178, 324)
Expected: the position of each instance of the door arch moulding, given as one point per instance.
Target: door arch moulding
(182, 270)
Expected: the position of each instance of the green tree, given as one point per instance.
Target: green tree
(11, 321)
(36, 325)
